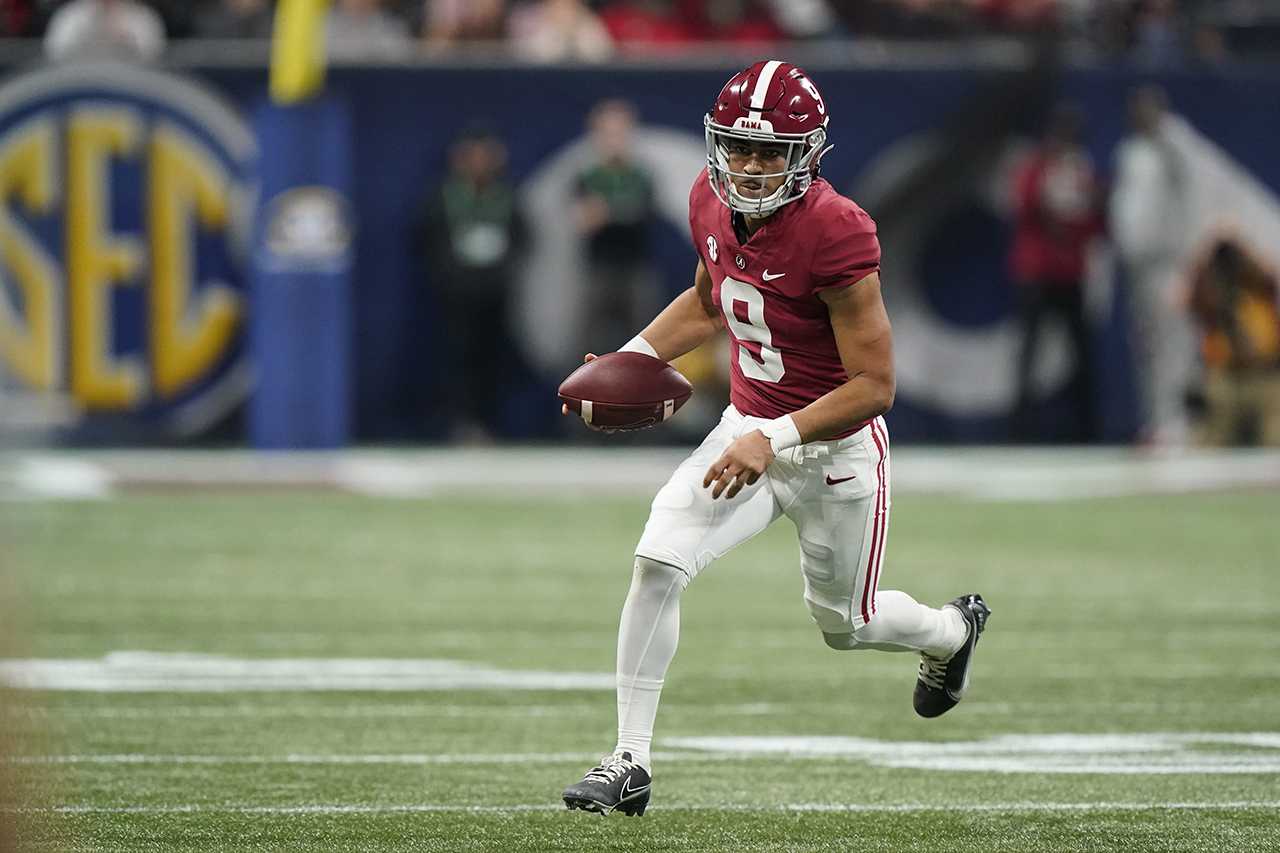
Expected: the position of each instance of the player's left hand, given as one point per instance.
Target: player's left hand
(740, 465)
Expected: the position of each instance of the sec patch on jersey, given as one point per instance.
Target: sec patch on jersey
(625, 391)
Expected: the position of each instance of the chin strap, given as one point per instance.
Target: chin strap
(817, 161)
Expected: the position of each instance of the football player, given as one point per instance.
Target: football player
(790, 269)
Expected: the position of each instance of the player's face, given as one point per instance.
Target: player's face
(754, 161)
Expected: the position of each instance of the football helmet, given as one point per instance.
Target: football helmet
(774, 102)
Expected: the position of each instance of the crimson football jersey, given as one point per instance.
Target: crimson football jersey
(784, 352)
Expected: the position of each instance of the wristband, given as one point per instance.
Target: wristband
(782, 433)
(639, 344)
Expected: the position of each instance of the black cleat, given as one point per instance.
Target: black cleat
(616, 783)
(942, 683)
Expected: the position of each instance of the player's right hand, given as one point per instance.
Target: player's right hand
(564, 410)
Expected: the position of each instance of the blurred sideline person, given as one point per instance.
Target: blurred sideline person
(1148, 225)
(1234, 300)
(449, 22)
(474, 236)
(557, 31)
(1056, 210)
(235, 19)
(615, 209)
(363, 29)
(791, 269)
(94, 30)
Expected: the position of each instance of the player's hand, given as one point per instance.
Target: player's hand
(564, 410)
(742, 463)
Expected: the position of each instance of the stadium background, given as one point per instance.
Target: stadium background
(193, 272)
(386, 356)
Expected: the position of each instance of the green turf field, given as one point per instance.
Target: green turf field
(1154, 619)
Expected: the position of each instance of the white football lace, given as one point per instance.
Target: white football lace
(933, 671)
(609, 769)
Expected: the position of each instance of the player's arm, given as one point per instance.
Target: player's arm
(865, 342)
(684, 325)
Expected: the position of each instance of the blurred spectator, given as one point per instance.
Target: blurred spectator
(1157, 33)
(17, 18)
(1056, 210)
(235, 19)
(87, 30)
(805, 19)
(1234, 300)
(362, 30)
(1148, 222)
(474, 236)
(558, 31)
(1209, 45)
(1016, 14)
(744, 21)
(615, 209)
(447, 22)
(647, 24)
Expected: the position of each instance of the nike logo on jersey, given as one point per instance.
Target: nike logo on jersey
(767, 277)
(831, 482)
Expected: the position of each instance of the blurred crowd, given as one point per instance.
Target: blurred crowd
(1158, 31)
(1204, 327)
(1206, 330)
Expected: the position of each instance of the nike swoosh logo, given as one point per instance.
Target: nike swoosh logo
(627, 791)
(765, 275)
(831, 482)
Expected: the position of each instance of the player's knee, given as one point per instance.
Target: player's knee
(841, 642)
(652, 573)
(865, 636)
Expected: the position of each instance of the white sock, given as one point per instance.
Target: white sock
(647, 639)
(902, 624)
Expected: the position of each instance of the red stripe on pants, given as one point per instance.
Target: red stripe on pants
(876, 537)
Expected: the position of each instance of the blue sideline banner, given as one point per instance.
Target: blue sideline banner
(300, 329)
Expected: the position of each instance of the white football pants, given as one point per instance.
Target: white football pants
(835, 492)
(837, 495)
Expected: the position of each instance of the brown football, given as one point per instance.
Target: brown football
(625, 391)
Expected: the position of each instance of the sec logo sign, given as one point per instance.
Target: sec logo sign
(123, 217)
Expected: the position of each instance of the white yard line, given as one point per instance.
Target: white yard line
(397, 758)
(861, 808)
(1135, 753)
(321, 711)
(166, 672)
(360, 711)
(984, 473)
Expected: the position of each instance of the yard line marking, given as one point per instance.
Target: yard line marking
(391, 758)
(1160, 753)
(1146, 753)
(1049, 474)
(862, 808)
(319, 709)
(358, 711)
(338, 759)
(155, 672)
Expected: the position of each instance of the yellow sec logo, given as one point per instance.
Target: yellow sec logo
(124, 211)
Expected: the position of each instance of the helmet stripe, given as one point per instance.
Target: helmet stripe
(762, 84)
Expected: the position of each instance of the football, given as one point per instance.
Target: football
(625, 391)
